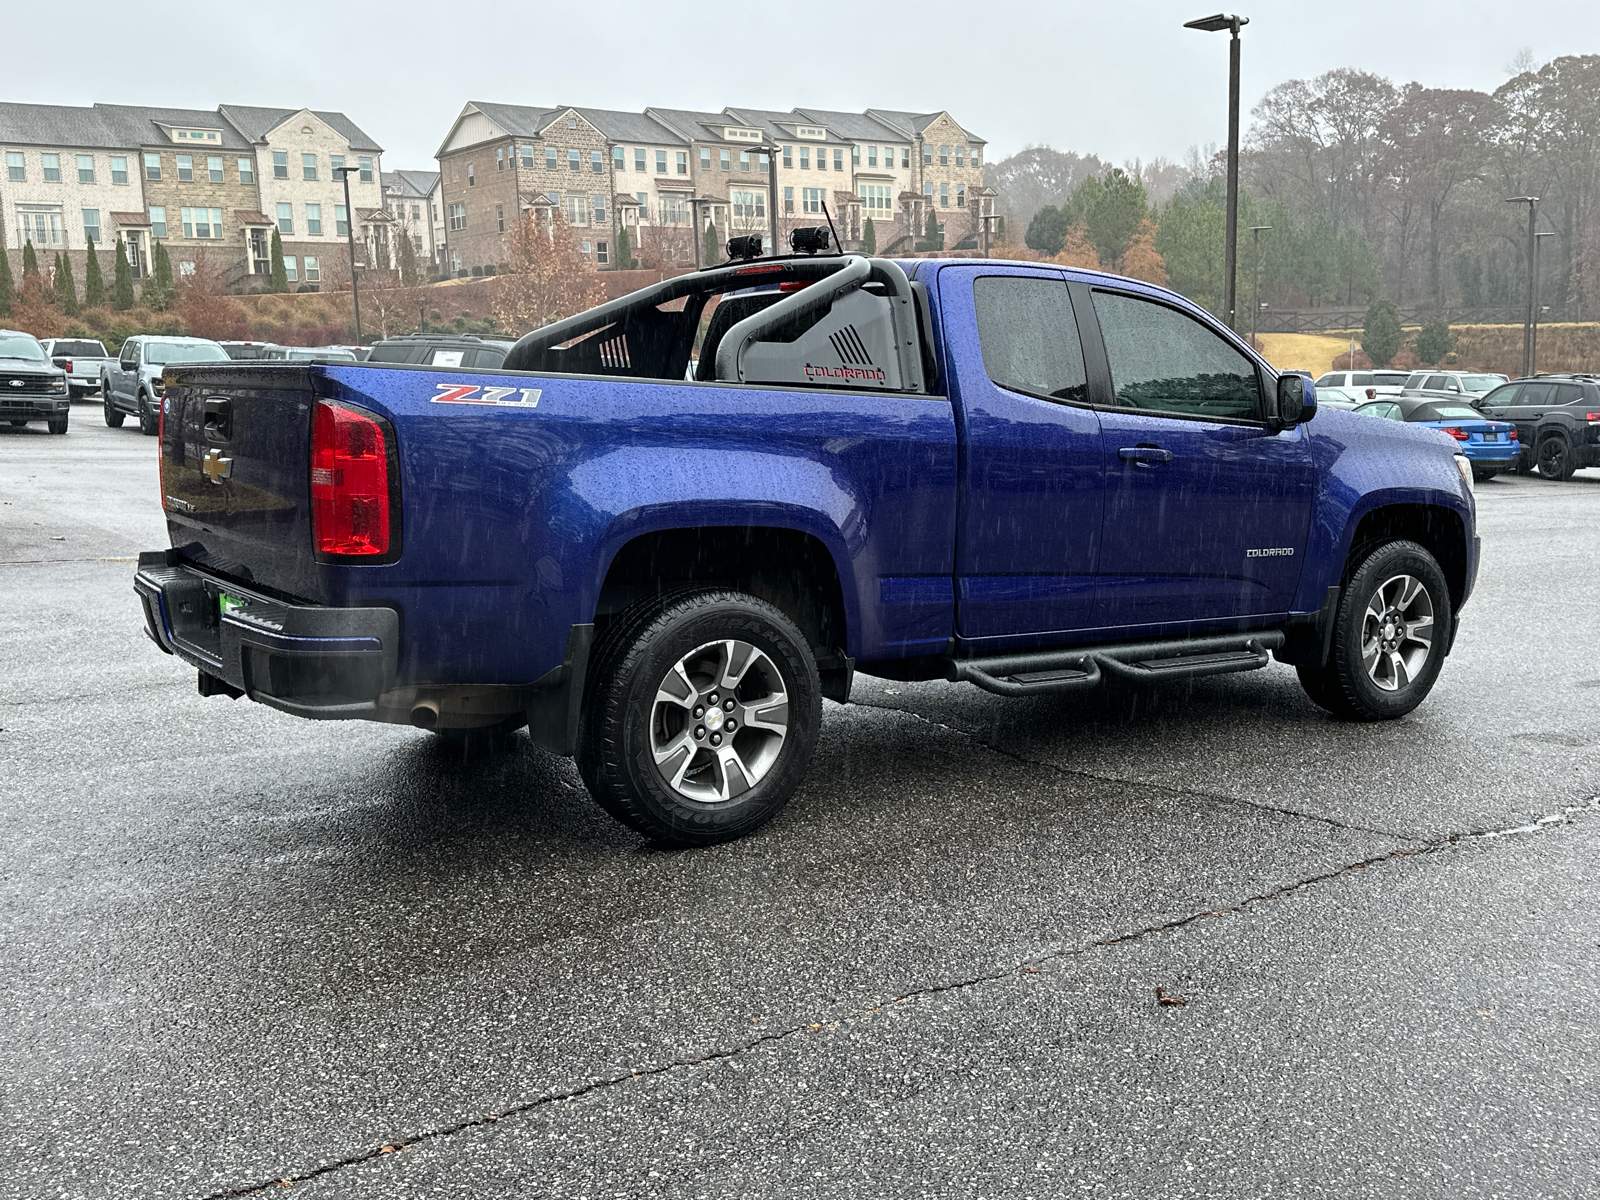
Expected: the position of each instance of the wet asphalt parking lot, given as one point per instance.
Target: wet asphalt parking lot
(244, 951)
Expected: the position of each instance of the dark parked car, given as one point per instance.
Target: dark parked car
(1490, 446)
(32, 388)
(1557, 418)
(441, 350)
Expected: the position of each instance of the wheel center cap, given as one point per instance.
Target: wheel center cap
(714, 719)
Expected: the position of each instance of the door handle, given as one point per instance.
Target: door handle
(1144, 454)
(219, 418)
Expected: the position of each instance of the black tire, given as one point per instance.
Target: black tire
(149, 422)
(1524, 464)
(624, 721)
(1346, 687)
(1555, 459)
(58, 425)
(114, 416)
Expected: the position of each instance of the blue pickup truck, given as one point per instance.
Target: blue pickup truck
(665, 529)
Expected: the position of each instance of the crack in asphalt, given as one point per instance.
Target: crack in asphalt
(1170, 789)
(1028, 966)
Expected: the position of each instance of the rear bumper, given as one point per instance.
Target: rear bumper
(1493, 454)
(309, 660)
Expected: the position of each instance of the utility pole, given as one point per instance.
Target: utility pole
(1527, 319)
(1255, 286)
(350, 235)
(1230, 252)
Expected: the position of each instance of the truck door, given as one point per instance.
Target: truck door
(127, 368)
(1207, 507)
(1032, 468)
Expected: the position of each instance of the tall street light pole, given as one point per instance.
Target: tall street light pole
(1533, 341)
(1527, 319)
(1255, 286)
(350, 234)
(1230, 253)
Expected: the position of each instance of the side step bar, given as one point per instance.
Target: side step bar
(1082, 668)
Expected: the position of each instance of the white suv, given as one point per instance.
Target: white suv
(1370, 384)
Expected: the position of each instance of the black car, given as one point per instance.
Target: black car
(1557, 419)
(441, 350)
(32, 388)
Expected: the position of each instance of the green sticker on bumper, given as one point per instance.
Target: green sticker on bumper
(227, 604)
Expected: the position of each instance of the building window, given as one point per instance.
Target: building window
(52, 167)
(314, 220)
(16, 171)
(927, 155)
(805, 158)
(458, 217)
(975, 161)
(674, 210)
(944, 195)
(905, 156)
(838, 160)
(597, 162)
(285, 218)
(875, 199)
(214, 170)
(961, 195)
(247, 170)
(91, 224)
(203, 222)
(527, 157)
(744, 160)
(85, 168)
(549, 158)
(788, 158)
(500, 159)
(308, 166)
(280, 164)
(872, 156)
(586, 247)
(788, 199)
(500, 216)
(683, 162)
(341, 220)
(705, 158)
(40, 228)
(576, 209)
(599, 210)
(944, 156)
(472, 175)
(619, 159)
(723, 160)
(158, 220)
(313, 269)
(602, 252)
(927, 192)
(644, 205)
(765, 165)
(661, 162)
(365, 163)
(855, 156)
(291, 268)
(185, 168)
(811, 200)
(961, 156)
(335, 165)
(574, 161)
(638, 158)
(749, 206)
(416, 212)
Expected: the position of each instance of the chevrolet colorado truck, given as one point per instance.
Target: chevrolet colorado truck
(665, 529)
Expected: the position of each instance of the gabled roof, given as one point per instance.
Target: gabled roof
(59, 125)
(690, 125)
(145, 126)
(256, 123)
(413, 185)
(626, 126)
(855, 126)
(783, 125)
(915, 123)
(519, 120)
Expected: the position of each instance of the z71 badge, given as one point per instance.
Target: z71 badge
(460, 393)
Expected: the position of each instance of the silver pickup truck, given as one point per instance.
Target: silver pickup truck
(83, 359)
(131, 383)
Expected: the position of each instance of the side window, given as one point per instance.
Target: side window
(1437, 383)
(1538, 394)
(1361, 379)
(1030, 337)
(1165, 362)
(1502, 397)
(1568, 393)
(130, 356)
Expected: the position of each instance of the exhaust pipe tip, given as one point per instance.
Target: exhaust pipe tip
(425, 715)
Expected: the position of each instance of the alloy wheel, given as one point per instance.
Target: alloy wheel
(1397, 632)
(719, 721)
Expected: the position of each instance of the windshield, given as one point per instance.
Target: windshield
(1482, 383)
(69, 349)
(20, 345)
(183, 352)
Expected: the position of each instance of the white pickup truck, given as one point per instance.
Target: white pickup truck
(83, 359)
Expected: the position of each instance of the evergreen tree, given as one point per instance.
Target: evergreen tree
(869, 238)
(406, 254)
(94, 287)
(624, 252)
(30, 262)
(933, 235)
(1047, 232)
(157, 292)
(66, 286)
(122, 281)
(8, 286)
(280, 274)
(1380, 333)
(1434, 341)
(711, 255)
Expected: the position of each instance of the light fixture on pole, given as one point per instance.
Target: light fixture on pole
(350, 235)
(1527, 318)
(1533, 340)
(1230, 252)
(1255, 287)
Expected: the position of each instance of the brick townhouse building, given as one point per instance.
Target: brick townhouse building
(412, 198)
(663, 174)
(209, 184)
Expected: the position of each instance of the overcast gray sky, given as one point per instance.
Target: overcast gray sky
(1118, 78)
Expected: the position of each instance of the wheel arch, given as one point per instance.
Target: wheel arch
(1437, 528)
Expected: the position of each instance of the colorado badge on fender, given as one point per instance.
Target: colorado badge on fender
(462, 393)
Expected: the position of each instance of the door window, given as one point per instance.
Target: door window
(1502, 397)
(1536, 395)
(1568, 393)
(1030, 337)
(1437, 383)
(1165, 362)
(130, 357)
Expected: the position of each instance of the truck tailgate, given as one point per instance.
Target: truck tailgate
(236, 474)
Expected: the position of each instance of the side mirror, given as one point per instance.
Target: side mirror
(1297, 400)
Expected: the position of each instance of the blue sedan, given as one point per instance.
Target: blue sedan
(1490, 446)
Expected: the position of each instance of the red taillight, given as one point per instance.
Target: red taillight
(764, 269)
(1513, 435)
(349, 482)
(1460, 435)
(1592, 418)
(66, 365)
(161, 452)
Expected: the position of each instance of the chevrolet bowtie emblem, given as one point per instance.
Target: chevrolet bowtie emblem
(216, 467)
